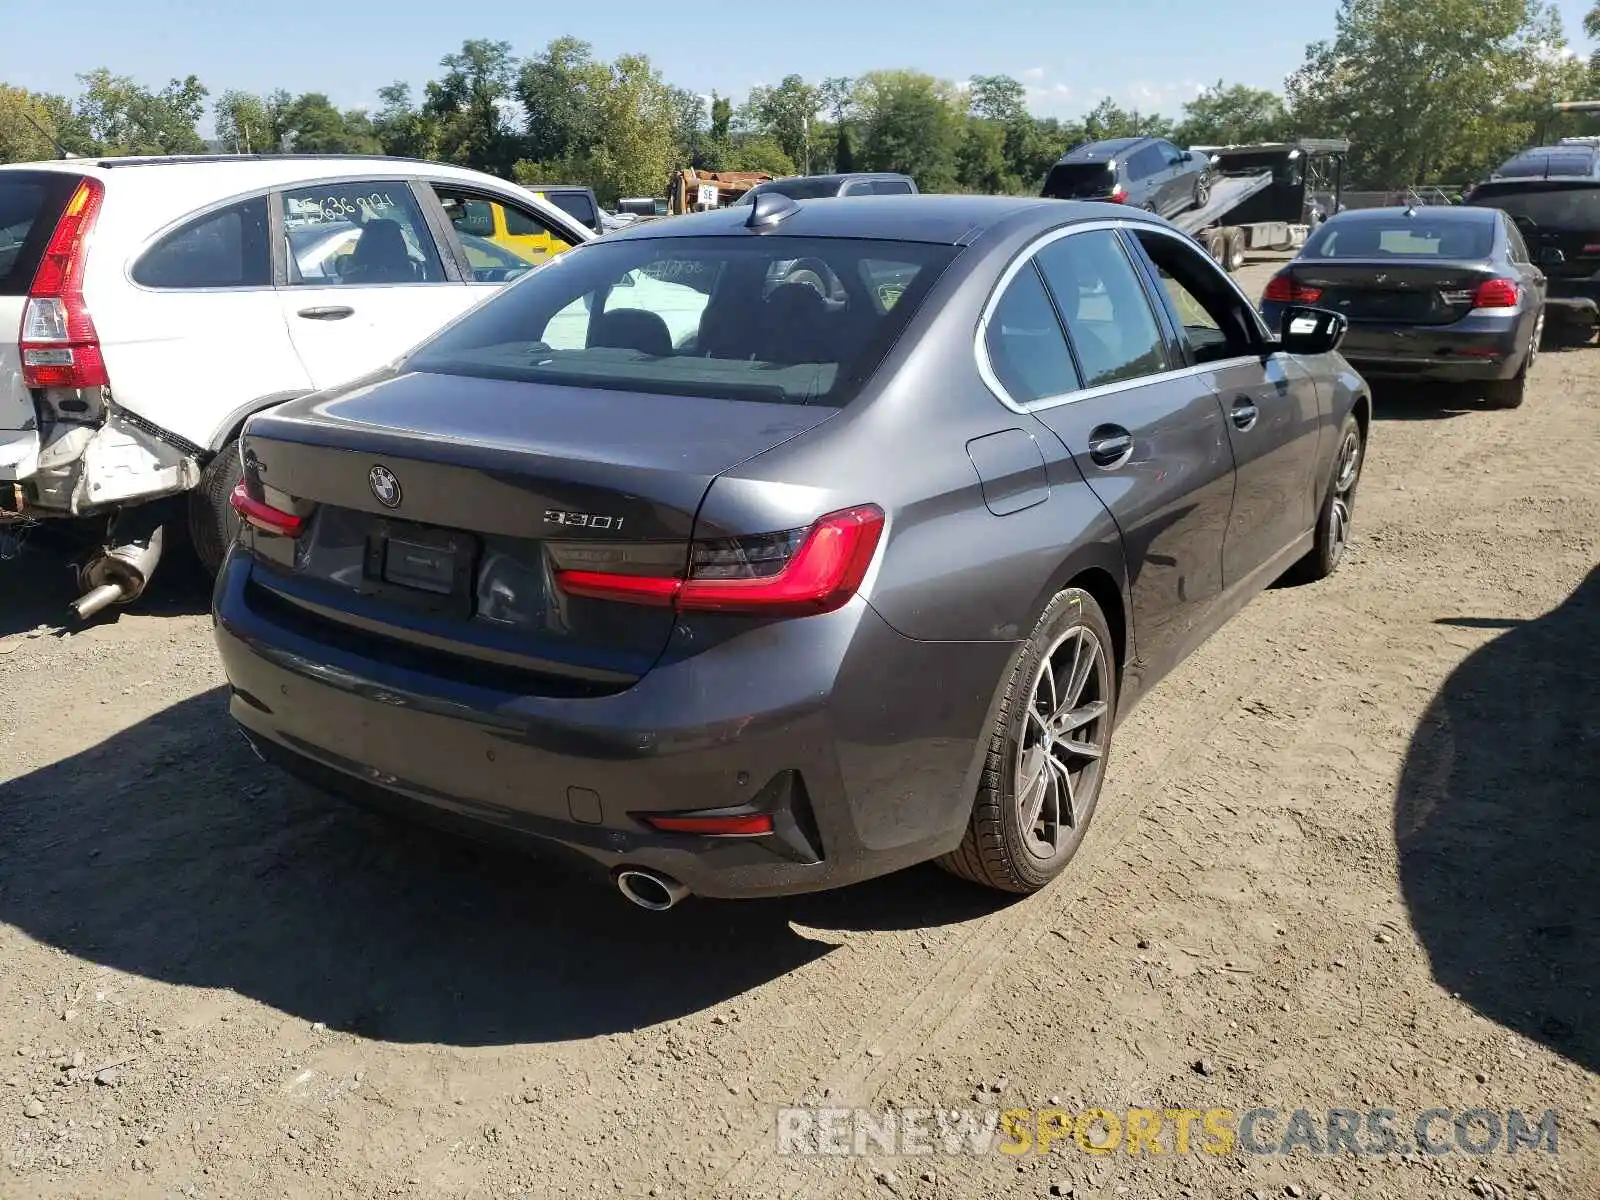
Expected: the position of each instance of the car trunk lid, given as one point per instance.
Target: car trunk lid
(1393, 293)
(439, 509)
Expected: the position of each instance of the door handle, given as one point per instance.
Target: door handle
(1110, 445)
(327, 312)
(1244, 412)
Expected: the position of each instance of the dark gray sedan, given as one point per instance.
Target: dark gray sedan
(1442, 294)
(858, 569)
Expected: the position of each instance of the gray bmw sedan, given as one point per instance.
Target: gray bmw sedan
(767, 550)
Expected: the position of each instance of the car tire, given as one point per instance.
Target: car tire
(213, 525)
(1202, 192)
(1507, 393)
(1338, 507)
(1233, 249)
(1045, 760)
(1215, 243)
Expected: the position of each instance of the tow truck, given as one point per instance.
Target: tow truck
(1263, 196)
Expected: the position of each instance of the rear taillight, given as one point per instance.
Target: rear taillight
(1497, 293)
(1119, 195)
(1591, 248)
(263, 516)
(1285, 289)
(57, 341)
(797, 573)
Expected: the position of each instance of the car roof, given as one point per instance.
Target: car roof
(945, 220)
(1542, 162)
(1100, 151)
(151, 192)
(1464, 214)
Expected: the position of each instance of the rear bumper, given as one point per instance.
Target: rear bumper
(1472, 349)
(862, 743)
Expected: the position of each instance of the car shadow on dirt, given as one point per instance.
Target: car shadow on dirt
(1401, 400)
(171, 852)
(1497, 822)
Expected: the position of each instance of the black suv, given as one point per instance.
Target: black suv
(1145, 172)
(1552, 195)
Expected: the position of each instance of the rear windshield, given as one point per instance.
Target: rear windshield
(788, 320)
(1402, 237)
(803, 189)
(1564, 207)
(30, 203)
(1079, 181)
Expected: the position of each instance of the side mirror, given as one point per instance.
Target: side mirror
(1188, 156)
(1551, 256)
(1311, 330)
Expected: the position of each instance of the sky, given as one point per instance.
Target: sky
(1152, 55)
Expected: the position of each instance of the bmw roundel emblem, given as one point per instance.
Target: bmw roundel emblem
(384, 486)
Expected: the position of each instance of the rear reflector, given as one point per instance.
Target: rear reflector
(1497, 293)
(796, 573)
(1284, 289)
(263, 516)
(57, 341)
(739, 825)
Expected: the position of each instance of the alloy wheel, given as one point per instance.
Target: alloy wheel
(1061, 751)
(1345, 475)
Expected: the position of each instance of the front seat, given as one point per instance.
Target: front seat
(381, 256)
(796, 326)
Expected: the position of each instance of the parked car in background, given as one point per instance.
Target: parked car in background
(578, 576)
(1432, 293)
(576, 201)
(818, 187)
(1147, 173)
(149, 306)
(1553, 199)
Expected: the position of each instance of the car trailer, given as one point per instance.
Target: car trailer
(1261, 196)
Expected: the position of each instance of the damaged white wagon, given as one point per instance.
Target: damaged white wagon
(150, 306)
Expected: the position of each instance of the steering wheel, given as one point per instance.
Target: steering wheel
(812, 272)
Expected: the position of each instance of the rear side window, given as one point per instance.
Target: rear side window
(1112, 326)
(782, 319)
(1026, 347)
(226, 248)
(1146, 162)
(30, 204)
(891, 187)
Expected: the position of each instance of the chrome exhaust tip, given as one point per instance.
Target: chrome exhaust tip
(650, 889)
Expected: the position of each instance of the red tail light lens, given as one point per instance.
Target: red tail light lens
(57, 341)
(1497, 293)
(263, 516)
(738, 825)
(1284, 289)
(797, 573)
(1119, 195)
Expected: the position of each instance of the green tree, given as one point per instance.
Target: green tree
(1110, 120)
(1232, 116)
(838, 97)
(998, 98)
(245, 123)
(760, 152)
(910, 122)
(119, 116)
(312, 125)
(785, 113)
(27, 127)
(981, 160)
(1425, 89)
(560, 92)
(636, 148)
(690, 131)
(402, 128)
(469, 102)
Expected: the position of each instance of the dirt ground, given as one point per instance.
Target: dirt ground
(1346, 858)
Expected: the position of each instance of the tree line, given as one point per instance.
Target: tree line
(1426, 91)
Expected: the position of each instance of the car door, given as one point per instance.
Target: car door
(200, 336)
(1155, 178)
(1148, 440)
(362, 278)
(484, 229)
(1177, 189)
(1273, 412)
